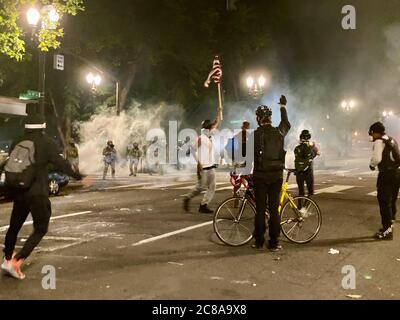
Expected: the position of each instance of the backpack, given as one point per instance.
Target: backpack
(268, 150)
(393, 150)
(303, 157)
(19, 168)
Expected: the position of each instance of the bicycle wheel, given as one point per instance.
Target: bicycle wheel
(301, 224)
(231, 229)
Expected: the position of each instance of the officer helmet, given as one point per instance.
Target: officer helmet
(376, 127)
(263, 111)
(305, 135)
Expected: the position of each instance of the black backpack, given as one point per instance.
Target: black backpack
(303, 157)
(19, 169)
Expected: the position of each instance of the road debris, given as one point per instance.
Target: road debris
(240, 282)
(333, 251)
(176, 263)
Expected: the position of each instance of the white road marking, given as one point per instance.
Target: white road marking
(4, 228)
(190, 187)
(128, 186)
(334, 189)
(161, 186)
(373, 193)
(170, 234)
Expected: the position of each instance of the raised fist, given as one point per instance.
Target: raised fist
(282, 100)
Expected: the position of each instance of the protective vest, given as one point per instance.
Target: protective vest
(269, 154)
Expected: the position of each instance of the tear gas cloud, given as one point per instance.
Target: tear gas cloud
(313, 104)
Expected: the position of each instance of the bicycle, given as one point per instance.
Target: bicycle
(237, 214)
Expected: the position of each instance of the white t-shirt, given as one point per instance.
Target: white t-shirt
(206, 149)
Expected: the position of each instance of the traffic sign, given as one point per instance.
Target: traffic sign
(59, 62)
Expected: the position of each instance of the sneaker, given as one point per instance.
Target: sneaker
(5, 264)
(131, 174)
(258, 246)
(275, 248)
(13, 268)
(385, 235)
(186, 204)
(205, 209)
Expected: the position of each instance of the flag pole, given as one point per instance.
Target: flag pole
(220, 107)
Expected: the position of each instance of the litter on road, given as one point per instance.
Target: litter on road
(333, 251)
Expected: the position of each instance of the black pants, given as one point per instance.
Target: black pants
(388, 191)
(267, 191)
(40, 209)
(307, 177)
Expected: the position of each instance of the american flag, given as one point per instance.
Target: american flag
(215, 74)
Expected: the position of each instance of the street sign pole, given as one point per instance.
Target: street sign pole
(42, 81)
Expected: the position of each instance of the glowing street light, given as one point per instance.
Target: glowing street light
(250, 82)
(348, 105)
(33, 16)
(255, 87)
(93, 80)
(387, 114)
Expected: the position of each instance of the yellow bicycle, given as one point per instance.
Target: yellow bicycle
(301, 217)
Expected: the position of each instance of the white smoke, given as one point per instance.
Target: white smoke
(130, 126)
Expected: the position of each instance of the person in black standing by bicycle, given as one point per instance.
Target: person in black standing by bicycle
(269, 162)
(386, 157)
(305, 153)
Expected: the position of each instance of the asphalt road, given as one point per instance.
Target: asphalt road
(126, 239)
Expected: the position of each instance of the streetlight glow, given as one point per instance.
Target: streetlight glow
(250, 82)
(90, 78)
(53, 15)
(33, 16)
(97, 80)
(344, 104)
(352, 104)
(261, 81)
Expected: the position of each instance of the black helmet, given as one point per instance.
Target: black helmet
(305, 135)
(109, 143)
(377, 127)
(263, 111)
(206, 124)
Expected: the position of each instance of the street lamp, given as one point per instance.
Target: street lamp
(348, 105)
(256, 88)
(387, 114)
(49, 17)
(33, 16)
(93, 80)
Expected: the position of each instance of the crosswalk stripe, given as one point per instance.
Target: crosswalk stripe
(334, 189)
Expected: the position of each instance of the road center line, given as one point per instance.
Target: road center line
(170, 234)
(4, 228)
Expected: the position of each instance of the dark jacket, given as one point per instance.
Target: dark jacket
(269, 152)
(46, 153)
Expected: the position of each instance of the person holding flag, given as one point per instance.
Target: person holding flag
(204, 150)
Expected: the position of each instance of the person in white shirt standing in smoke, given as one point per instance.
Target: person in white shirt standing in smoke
(204, 154)
(386, 157)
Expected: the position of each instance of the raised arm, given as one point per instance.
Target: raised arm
(59, 162)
